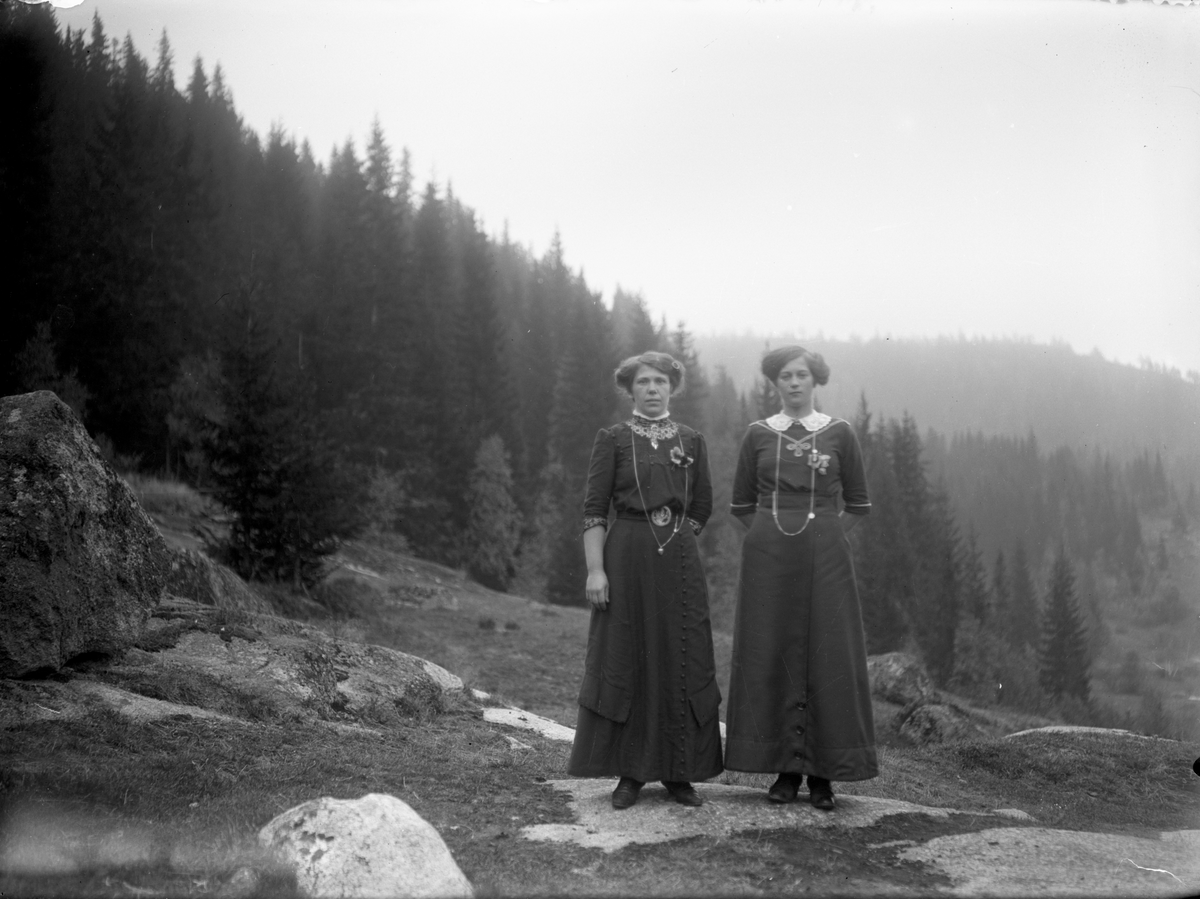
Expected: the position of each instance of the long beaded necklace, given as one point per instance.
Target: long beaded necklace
(814, 457)
(654, 518)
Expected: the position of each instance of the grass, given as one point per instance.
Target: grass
(204, 788)
(168, 498)
(183, 797)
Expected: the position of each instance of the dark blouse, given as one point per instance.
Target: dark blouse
(838, 467)
(682, 486)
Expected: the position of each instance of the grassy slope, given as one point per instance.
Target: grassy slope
(185, 797)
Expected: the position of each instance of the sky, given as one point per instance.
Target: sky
(985, 168)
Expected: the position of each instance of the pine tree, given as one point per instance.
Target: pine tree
(494, 527)
(1063, 658)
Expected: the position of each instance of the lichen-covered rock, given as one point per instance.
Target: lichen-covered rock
(373, 846)
(307, 674)
(195, 576)
(81, 565)
(900, 678)
(936, 723)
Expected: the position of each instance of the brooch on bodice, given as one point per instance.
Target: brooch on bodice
(680, 458)
(654, 431)
(819, 462)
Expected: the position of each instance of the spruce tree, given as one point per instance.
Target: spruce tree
(941, 606)
(975, 599)
(634, 332)
(1025, 616)
(494, 527)
(544, 527)
(689, 406)
(1063, 661)
(766, 399)
(1001, 588)
(884, 560)
(273, 467)
(37, 368)
(583, 402)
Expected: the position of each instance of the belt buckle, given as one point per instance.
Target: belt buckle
(661, 517)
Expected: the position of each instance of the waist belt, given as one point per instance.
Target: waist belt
(663, 516)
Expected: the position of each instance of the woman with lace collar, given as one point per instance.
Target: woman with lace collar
(799, 696)
(649, 700)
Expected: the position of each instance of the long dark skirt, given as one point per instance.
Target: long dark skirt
(649, 700)
(799, 696)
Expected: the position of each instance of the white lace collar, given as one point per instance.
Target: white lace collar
(814, 421)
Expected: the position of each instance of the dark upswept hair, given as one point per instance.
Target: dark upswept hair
(663, 362)
(774, 360)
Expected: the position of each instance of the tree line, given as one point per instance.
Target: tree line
(1004, 386)
(212, 304)
(327, 347)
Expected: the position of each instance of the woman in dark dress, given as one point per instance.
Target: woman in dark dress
(799, 697)
(649, 700)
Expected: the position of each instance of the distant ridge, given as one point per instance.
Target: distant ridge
(997, 386)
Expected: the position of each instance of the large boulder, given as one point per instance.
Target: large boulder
(81, 565)
(373, 846)
(193, 575)
(900, 678)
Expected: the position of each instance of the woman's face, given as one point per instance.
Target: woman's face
(795, 385)
(651, 391)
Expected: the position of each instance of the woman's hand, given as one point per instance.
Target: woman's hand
(849, 522)
(597, 589)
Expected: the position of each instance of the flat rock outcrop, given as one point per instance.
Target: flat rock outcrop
(290, 671)
(373, 846)
(81, 564)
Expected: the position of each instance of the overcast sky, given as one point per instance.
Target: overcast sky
(990, 168)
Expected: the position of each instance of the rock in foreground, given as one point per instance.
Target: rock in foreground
(81, 565)
(373, 846)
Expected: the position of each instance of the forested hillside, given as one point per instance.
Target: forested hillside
(326, 346)
(1001, 387)
(209, 301)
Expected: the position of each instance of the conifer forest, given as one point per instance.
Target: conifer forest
(327, 347)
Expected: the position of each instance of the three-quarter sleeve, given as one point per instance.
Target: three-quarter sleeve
(700, 508)
(744, 499)
(854, 476)
(601, 473)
